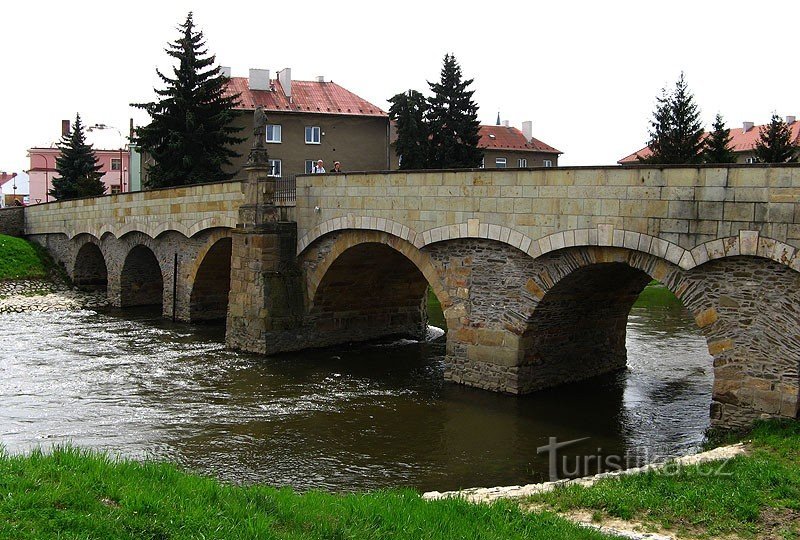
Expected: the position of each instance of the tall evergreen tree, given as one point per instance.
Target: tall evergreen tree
(774, 144)
(78, 170)
(190, 136)
(412, 145)
(453, 120)
(676, 134)
(717, 146)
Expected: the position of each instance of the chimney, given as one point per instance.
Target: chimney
(65, 127)
(747, 126)
(259, 79)
(285, 78)
(320, 78)
(790, 120)
(226, 71)
(506, 123)
(527, 130)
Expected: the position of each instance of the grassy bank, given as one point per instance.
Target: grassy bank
(78, 494)
(20, 259)
(753, 496)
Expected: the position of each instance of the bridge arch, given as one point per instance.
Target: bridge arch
(210, 278)
(141, 280)
(365, 284)
(582, 297)
(90, 271)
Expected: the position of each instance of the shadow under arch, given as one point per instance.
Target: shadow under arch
(141, 280)
(368, 285)
(90, 271)
(211, 284)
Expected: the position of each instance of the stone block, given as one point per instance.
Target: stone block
(735, 211)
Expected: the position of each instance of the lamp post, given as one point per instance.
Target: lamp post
(46, 176)
(121, 148)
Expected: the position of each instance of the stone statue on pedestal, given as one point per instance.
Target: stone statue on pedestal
(258, 153)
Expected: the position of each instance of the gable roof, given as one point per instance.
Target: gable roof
(741, 141)
(307, 97)
(510, 138)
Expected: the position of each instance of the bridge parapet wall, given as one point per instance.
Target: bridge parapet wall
(647, 208)
(187, 210)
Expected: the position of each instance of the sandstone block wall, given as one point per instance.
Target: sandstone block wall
(187, 210)
(539, 210)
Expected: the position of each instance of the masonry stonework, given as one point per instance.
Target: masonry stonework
(536, 270)
(12, 220)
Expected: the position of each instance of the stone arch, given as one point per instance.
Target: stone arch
(141, 280)
(742, 304)
(365, 284)
(210, 281)
(90, 271)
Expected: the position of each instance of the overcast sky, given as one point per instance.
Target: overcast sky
(586, 73)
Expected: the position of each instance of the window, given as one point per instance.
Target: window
(310, 165)
(312, 134)
(483, 163)
(115, 189)
(273, 133)
(751, 160)
(547, 163)
(500, 163)
(275, 167)
(116, 164)
(522, 163)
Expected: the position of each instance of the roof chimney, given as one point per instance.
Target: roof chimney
(285, 78)
(226, 71)
(320, 78)
(790, 120)
(506, 123)
(527, 130)
(259, 79)
(65, 127)
(747, 126)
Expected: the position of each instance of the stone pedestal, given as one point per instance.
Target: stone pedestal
(266, 296)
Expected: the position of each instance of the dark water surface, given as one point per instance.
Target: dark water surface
(350, 418)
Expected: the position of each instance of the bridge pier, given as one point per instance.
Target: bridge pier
(266, 301)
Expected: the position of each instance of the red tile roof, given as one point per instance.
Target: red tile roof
(510, 138)
(307, 97)
(740, 142)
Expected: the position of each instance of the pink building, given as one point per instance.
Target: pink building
(115, 165)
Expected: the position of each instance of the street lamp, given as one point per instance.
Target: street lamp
(46, 172)
(121, 160)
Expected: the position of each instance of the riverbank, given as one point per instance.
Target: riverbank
(20, 259)
(752, 495)
(80, 494)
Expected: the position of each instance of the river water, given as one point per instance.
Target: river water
(350, 418)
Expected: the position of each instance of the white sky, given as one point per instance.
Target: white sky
(586, 72)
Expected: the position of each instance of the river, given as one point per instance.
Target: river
(351, 418)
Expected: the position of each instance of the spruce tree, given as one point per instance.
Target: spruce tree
(190, 136)
(717, 148)
(774, 144)
(408, 112)
(676, 134)
(453, 120)
(78, 170)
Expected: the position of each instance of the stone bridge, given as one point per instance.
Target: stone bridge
(536, 269)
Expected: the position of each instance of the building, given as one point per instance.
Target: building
(115, 165)
(506, 147)
(308, 121)
(743, 142)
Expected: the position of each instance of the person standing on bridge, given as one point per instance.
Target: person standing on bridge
(319, 168)
(337, 167)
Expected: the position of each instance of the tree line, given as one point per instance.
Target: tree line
(677, 135)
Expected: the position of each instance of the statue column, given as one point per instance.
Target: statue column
(266, 295)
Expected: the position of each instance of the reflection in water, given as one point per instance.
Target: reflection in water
(344, 418)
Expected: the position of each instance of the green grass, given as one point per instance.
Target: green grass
(74, 494)
(708, 499)
(435, 314)
(21, 259)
